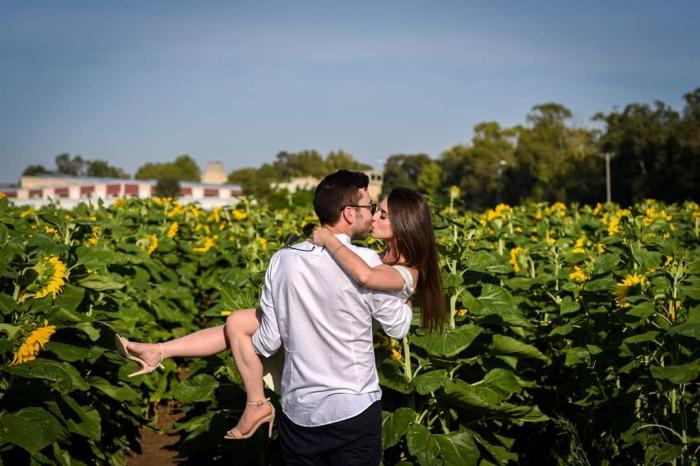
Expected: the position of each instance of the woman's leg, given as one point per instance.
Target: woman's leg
(206, 342)
(240, 327)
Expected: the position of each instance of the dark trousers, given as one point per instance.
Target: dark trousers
(354, 441)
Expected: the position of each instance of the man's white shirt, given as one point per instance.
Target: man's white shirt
(324, 321)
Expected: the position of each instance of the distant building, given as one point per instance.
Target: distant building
(72, 190)
(215, 173)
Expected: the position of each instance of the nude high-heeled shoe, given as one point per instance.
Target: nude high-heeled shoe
(122, 343)
(235, 434)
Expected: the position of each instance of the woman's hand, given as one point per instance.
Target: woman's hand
(320, 236)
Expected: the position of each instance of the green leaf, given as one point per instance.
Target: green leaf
(642, 311)
(576, 356)
(502, 344)
(642, 337)
(64, 376)
(449, 343)
(601, 284)
(72, 353)
(422, 444)
(119, 393)
(568, 306)
(687, 329)
(485, 400)
(680, 374)
(87, 423)
(605, 264)
(502, 381)
(199, 388)
(497, 299)
(458, 449)
(95, 258)
(30, 428)
(100, 282)
(563, 330)
(391, 375)
(645, 258)
(70, 297)
(430, 381)
(395, 425)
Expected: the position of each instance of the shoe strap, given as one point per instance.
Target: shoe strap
(258, 403)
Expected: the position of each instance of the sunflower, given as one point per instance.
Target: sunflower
(630, 282)
(34, 343)
(153, 244)
(514, 253)
(172, 230)
(239, 215)
(578, 275)
(208, 243)
(52, 276)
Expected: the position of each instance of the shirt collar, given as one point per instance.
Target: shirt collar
(343, 238)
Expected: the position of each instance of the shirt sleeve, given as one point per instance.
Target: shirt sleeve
(266, 340)
(392, 313)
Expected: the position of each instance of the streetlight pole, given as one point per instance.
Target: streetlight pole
(608, 182)
(607, 177)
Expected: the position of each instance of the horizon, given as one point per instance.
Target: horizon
(238, 83)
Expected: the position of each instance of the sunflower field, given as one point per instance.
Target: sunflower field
(572, 338)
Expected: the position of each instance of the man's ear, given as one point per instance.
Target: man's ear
(348, 215)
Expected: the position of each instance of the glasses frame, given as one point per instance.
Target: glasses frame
(372, 207)
(294, 237)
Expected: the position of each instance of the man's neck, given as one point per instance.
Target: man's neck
(340, 229)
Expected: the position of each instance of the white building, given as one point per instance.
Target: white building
(69, 191)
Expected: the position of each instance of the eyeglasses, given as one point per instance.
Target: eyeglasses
(306, 232)
(372, 207)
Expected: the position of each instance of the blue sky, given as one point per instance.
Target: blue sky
(136, 81)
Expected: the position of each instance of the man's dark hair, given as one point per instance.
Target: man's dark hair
(336, 191)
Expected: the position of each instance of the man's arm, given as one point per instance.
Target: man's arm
(266, 340)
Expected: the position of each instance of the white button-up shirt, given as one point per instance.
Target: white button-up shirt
(324, 321)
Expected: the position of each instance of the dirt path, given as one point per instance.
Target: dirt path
(157, 449)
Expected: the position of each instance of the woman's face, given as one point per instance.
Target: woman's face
(381, 226)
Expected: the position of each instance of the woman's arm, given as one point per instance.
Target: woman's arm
(381, 277)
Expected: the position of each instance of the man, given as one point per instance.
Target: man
(323, 320)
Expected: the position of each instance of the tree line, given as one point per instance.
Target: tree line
(654, 150)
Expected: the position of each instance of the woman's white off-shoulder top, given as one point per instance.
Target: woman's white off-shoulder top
(408, 286)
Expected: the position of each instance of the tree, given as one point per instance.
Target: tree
(430, 178)
(102, 169)
(342, 160)
(550, 155)
(34, 170)
(66, 165)
(481, 170)
(403, 170)
(168, 187)
(648, 158)
(184, 168)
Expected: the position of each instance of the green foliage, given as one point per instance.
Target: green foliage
(168, 187)
(573, 335)
(258, 182)
(102, 169)
(184, 168)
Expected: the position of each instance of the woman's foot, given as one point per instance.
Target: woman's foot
(143, 357)
(150, 353)
(254, 415)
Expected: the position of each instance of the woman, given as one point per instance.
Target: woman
(403, 222)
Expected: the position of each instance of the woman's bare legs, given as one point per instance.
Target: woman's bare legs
(206, 342)
(237, 334)
(240, 327)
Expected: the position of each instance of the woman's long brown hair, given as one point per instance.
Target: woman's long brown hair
(414, 239)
